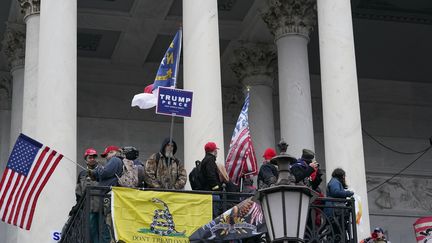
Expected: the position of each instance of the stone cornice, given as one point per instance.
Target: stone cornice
(29, 7)
(14, 44)
(285, 17)
(254, 59)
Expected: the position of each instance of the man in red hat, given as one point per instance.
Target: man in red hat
(108, 174)
(268, 173)
(87, 178)
(209, 168)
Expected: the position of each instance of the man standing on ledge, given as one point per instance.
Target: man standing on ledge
(209, 168)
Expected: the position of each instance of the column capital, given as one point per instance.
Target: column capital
(14, 44)
(255, 59)
(29, 7)
(5, 90)
(285, 17)
(232, 101)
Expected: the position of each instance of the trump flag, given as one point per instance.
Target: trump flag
(165, 77)
(28, 170)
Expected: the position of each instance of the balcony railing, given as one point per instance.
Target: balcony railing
(330, 220)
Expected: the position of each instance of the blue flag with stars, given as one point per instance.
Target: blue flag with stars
(167, 72)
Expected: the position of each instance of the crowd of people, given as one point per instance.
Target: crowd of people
(164, 170)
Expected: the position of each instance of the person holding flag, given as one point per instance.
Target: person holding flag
(241, 160)
(165, 77)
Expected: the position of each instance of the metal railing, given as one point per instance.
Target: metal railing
(330, 220)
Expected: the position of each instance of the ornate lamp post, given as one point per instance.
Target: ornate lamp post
(286, 205)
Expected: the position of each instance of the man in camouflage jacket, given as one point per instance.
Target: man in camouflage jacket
(163, 170)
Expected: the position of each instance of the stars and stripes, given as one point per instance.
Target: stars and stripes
(241, 160)
(29, 167)
(423, 229)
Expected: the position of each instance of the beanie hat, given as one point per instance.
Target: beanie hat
(308, 154)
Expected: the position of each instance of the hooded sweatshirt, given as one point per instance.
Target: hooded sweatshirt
(163, 172)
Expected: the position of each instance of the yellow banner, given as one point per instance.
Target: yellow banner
(159, 217)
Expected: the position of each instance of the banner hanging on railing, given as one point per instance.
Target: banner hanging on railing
(245, 220)
(158, 216)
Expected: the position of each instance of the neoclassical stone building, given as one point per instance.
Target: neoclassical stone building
(334, 76)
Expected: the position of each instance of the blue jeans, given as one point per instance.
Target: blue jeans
(95, 220)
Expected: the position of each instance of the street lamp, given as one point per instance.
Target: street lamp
(285, 205)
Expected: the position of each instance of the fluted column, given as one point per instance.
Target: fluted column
(201, 65)
(340, 99)
(56, 119)
(14, 49)
(291, 22)
(31, 9)
(253, 65)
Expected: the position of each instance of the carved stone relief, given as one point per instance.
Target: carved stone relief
(29, 7)
(401, 194)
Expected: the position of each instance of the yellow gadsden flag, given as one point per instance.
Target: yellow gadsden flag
(152, 216)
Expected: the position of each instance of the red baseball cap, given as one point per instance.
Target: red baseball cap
(90, 151)
(109, 149)
(210, 147)
(269, 153)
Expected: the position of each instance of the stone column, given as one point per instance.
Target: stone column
(14, 49)
(201, 67)
(340, 99)
(56, 119)
(31, 10)
(5, 125)
(5, 118)
(253, 65)
(291, 22)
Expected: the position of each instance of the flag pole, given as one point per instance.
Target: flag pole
(82, 167)
(175, 84)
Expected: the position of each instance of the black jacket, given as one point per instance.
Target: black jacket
(267, 175)
(301, 170)
(210, 173)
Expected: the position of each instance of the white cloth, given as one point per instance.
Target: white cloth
(145, 100)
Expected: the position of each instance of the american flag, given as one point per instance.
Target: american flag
(423, 229)
(241, 160)
(29, 167)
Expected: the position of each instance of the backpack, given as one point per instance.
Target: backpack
(196, 177)
(129, 177)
